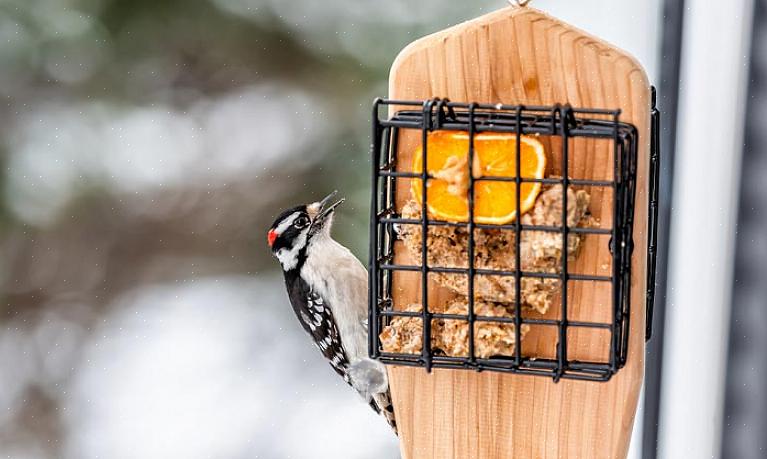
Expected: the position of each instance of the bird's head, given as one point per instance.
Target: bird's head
(294, 229)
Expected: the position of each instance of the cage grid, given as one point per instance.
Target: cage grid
(561, 121)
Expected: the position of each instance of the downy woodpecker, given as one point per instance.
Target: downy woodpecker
(328, 289)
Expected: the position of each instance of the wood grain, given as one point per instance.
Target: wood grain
(523, 56)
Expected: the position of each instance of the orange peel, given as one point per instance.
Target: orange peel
(495, 202)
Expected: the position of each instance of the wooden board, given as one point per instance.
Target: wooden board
(523, 56)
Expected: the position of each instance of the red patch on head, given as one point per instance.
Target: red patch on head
(271, 236)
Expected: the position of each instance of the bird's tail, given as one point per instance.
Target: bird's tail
(369, 378)
(382, 404)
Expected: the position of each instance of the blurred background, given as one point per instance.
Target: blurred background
(147, 145)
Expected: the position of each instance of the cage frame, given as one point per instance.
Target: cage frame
(558, 120)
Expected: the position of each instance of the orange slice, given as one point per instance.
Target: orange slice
(495, 202)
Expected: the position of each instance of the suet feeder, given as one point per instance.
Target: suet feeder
(535, 340)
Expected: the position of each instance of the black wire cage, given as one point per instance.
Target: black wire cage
(560, 124)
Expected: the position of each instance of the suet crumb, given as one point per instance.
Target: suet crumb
(450, 337)
(494, 249)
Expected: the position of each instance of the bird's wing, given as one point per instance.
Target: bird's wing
(316, 317)
(322, 326)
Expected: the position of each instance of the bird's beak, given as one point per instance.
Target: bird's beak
(326, 207)
(325, 203)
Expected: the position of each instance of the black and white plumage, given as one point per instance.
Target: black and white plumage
(328, 289)
(317, 319)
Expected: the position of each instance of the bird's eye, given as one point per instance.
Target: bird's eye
(301, 222)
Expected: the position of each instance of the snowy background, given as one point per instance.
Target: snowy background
(145, 147)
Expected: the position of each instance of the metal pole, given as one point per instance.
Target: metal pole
(709, 148)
